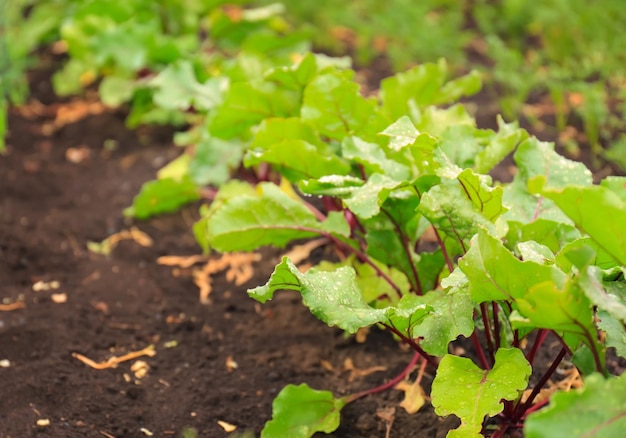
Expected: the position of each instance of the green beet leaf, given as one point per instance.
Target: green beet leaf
(272, 217)
(470, 393)
(499, 145)
(451, 316)
(486, 199)
(386, 246)
(365, 201)
(373, 158)
(115, 90)
(424, 85)
(597, 410)
(248, 103)
(214, 160)
(615, 332)
(336, 186)
(334, 106)
(295, 149)
(176, 87)
(553, 235)
(294, 77)
(402, 133)
(162, 196)
(596, 210)
(300, 412)
(606, 296)
(335, 298)
(460, 207)
(495, 274)
(617, 184)
(565, 309)
(583, 252)
(535, 158)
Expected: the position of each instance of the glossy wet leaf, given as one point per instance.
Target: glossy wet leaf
(402, 133)
(470, 393)
(338, 186)
(365, 201)
(272, 217)
(495, 274)
(535, 158)
(297, 160)
(373, 158)
(566, 309)
(335, 298)
(300, 411)
(451, 316)
(597, 410)
(606, 296)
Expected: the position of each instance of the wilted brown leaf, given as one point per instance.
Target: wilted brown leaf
(414, 396)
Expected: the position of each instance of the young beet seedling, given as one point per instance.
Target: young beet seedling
(511, 264)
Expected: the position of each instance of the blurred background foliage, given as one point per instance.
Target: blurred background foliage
(566, 54)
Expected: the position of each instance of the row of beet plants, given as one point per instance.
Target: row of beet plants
(286, 147)
(430, 248)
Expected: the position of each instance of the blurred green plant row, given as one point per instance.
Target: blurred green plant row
(570, 50)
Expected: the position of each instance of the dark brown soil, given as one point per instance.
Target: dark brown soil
(50, 208)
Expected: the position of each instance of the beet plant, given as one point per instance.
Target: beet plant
(429, 247)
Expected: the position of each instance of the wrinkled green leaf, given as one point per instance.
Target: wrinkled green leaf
(615, 332)
(596, 210)
(535, 158)
(564, 309)
(495, 274)
(335, 298)
(365, 201)
(451, 316)
(597, 410)
(502, 143)
(244, 223)
(552, 234)
(402, 133)
(300, 411)
(334, 106)
(460, 207)
(463, 389)
(248, 103)
(373, 158)
(294, 77)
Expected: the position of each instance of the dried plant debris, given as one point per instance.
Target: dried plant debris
(238, 267)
